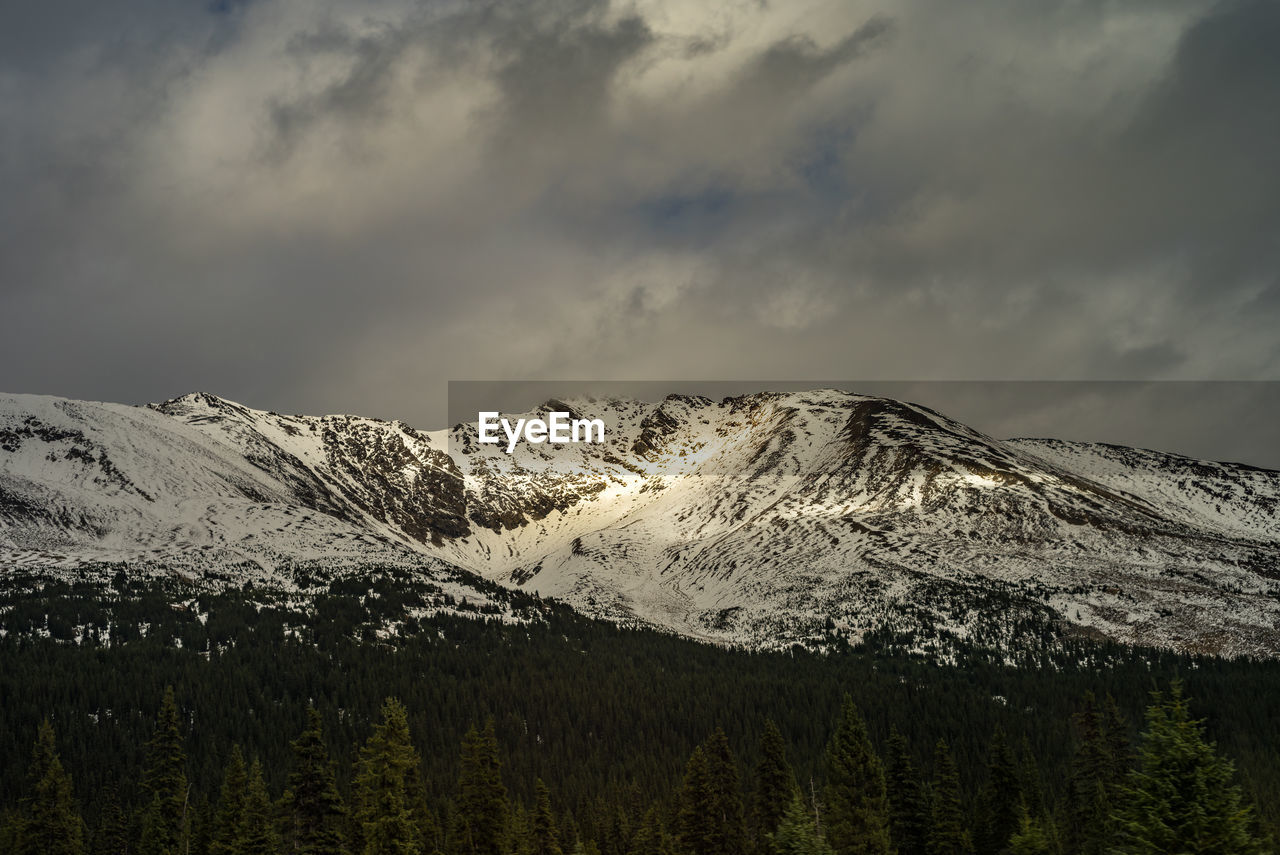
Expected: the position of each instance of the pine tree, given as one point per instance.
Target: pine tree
(520, 830)
(568, 832)
(1115, 734)
(202, 818)
(908, 811)
(1094, 782)
(314, 813)
(1033, 802)
(49, 821)
(694, 805)
(728, 832)
(651, 837)
(709, 820)
(775, 785)
(544, 836)
(258, 835)
(1182, 798)
(797, 834)
(947, 835)
(482, 815)
(620, 832)
(228, 822)
(1000, 802)
(112, 835)
(385, 784)
(857, 810)
(423, 818)
(1030, 838)
(1030, 785)
(164, 785)
(10, 830)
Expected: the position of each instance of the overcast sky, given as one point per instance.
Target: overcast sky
(312, 206)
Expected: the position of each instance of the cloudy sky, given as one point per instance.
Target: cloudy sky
(313, 206)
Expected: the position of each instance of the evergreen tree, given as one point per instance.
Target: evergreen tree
(1030, 838)
(568, 832)
(857, 818)
(709, 820)
(423, 818)
(228, 823)
(519, 830)
(728, 832)
(908, 810)
(258, 835)
(49, 821)
(614, 837)
(1115, 734)
(651, 836)
(947, 834)
(544, 837)
(385, 784)
(481, 811)
(1182, 798)
(164, 785)
(202, 819)
(1094, 783)
(112, 835)
(10, 828)
(1036, 808)
(797, 833)
(314, 813)
(1000, 802)
(694, 804)
(451, 825)
(775, 785)
(1029, 783)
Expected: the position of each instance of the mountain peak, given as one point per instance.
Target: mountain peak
(194, 401)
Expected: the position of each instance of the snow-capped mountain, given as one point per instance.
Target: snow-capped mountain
(762, 520)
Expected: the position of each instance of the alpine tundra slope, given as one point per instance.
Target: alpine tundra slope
(760, 520)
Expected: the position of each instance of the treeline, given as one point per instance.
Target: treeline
(607, 717)
(1172, 792)
(248, 663)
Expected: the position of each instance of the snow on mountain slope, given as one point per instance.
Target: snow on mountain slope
(768, 515)
(89, 482)
(1232, 498)
(385, 475)
(760, 520)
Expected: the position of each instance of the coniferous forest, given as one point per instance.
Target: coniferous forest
(135, 721)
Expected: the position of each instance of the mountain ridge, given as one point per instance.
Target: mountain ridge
(761, 519)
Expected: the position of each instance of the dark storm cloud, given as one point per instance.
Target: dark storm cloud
(320, 206)
(359, 95)
(556, 80)
(1205, 145)
(796, 63)
(552, 63)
